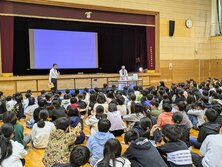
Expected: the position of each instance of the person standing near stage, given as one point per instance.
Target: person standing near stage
(53, 75)
(123, 77)
(123, 73)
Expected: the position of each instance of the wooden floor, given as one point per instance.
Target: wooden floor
(34, 157)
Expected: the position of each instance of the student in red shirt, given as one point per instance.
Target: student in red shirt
(165, 117)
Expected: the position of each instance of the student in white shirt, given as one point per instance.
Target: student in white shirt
(210, 151)
(123, 77)
(53, 75)
(42, 130)
(12, 152)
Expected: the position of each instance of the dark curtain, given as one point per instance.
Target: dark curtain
(7, 34)
(117, 45)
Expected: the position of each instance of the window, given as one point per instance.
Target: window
(216, 13)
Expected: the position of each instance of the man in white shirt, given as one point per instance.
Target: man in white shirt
(123, 77)
(53, 75)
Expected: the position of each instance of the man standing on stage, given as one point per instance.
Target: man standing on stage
(123, 77)
(53, 75)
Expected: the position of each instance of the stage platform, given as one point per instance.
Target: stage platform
(10, 85)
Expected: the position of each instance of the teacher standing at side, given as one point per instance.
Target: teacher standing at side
(53, 75)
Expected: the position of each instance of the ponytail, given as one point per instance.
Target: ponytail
(41, 123)
(6, 148)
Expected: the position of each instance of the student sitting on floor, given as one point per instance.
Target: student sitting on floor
(143, 127)
(30, 108)
(60, 141)
(97, 141)
(41, 130)
(10, 117)
(117, 124)
(174, 151)
(76, 121)
(18, 108)
(79, 156)
(177, 119)
(210, 152)
(12, 153)
(94, 118)
(208, 128)
(134, 116)
(165, 117)
(112, 155)
(58, 111)
(141, 153)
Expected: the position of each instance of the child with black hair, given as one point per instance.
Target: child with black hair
(41, 104)
(117, 124)
(79, 156)
(12, 153)
(97, 141)
(93, 119)
(181, 105)
(196, 114)
(210, 152)
(10, 117)
(121, 107)
(143, 127)
(10, 102)
(154, 108)
(26, 100)
(60, 141)
(18, 108)
(175, 152)
(66, 101)
(131, 103)
(30, 108)
(58, 111)
(41, 130)
(76, 121)
(141, 153)
(112, 155)
(101, 100)
(134, 116)
(165, 117)
(82, 105)
(185, 132)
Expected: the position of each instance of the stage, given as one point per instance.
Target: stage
(10, 85)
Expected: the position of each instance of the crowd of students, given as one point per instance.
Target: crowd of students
(155, 123)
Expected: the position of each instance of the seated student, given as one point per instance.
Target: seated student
(76, 121)
(146, 102)
(60, 141)
(177, 119)
(2, 107)
(82, 104)
(48, 98)
(143, 127)
(185, 120)
(94, 118)
(66, 101)
(79, 156)
(210, 152)
(134, 116)
(58, 111)
(73, 103)
(131, 103)
(196, 114)
(10, 102)
(165, 117)
(141, 153)
(174, 151)
(154, 108)
(18, 108)
(117, 124)
(26, 101)
(12, 153)
(121, 107)
(97, 141)
(112, 155)
(101, 100)
(41, 104)
(30, 108)
(208, 128)
(41, 130)
(10, 117)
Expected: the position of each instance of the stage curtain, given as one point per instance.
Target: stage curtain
(7, 35)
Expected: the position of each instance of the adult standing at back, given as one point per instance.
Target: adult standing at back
(53, 75)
